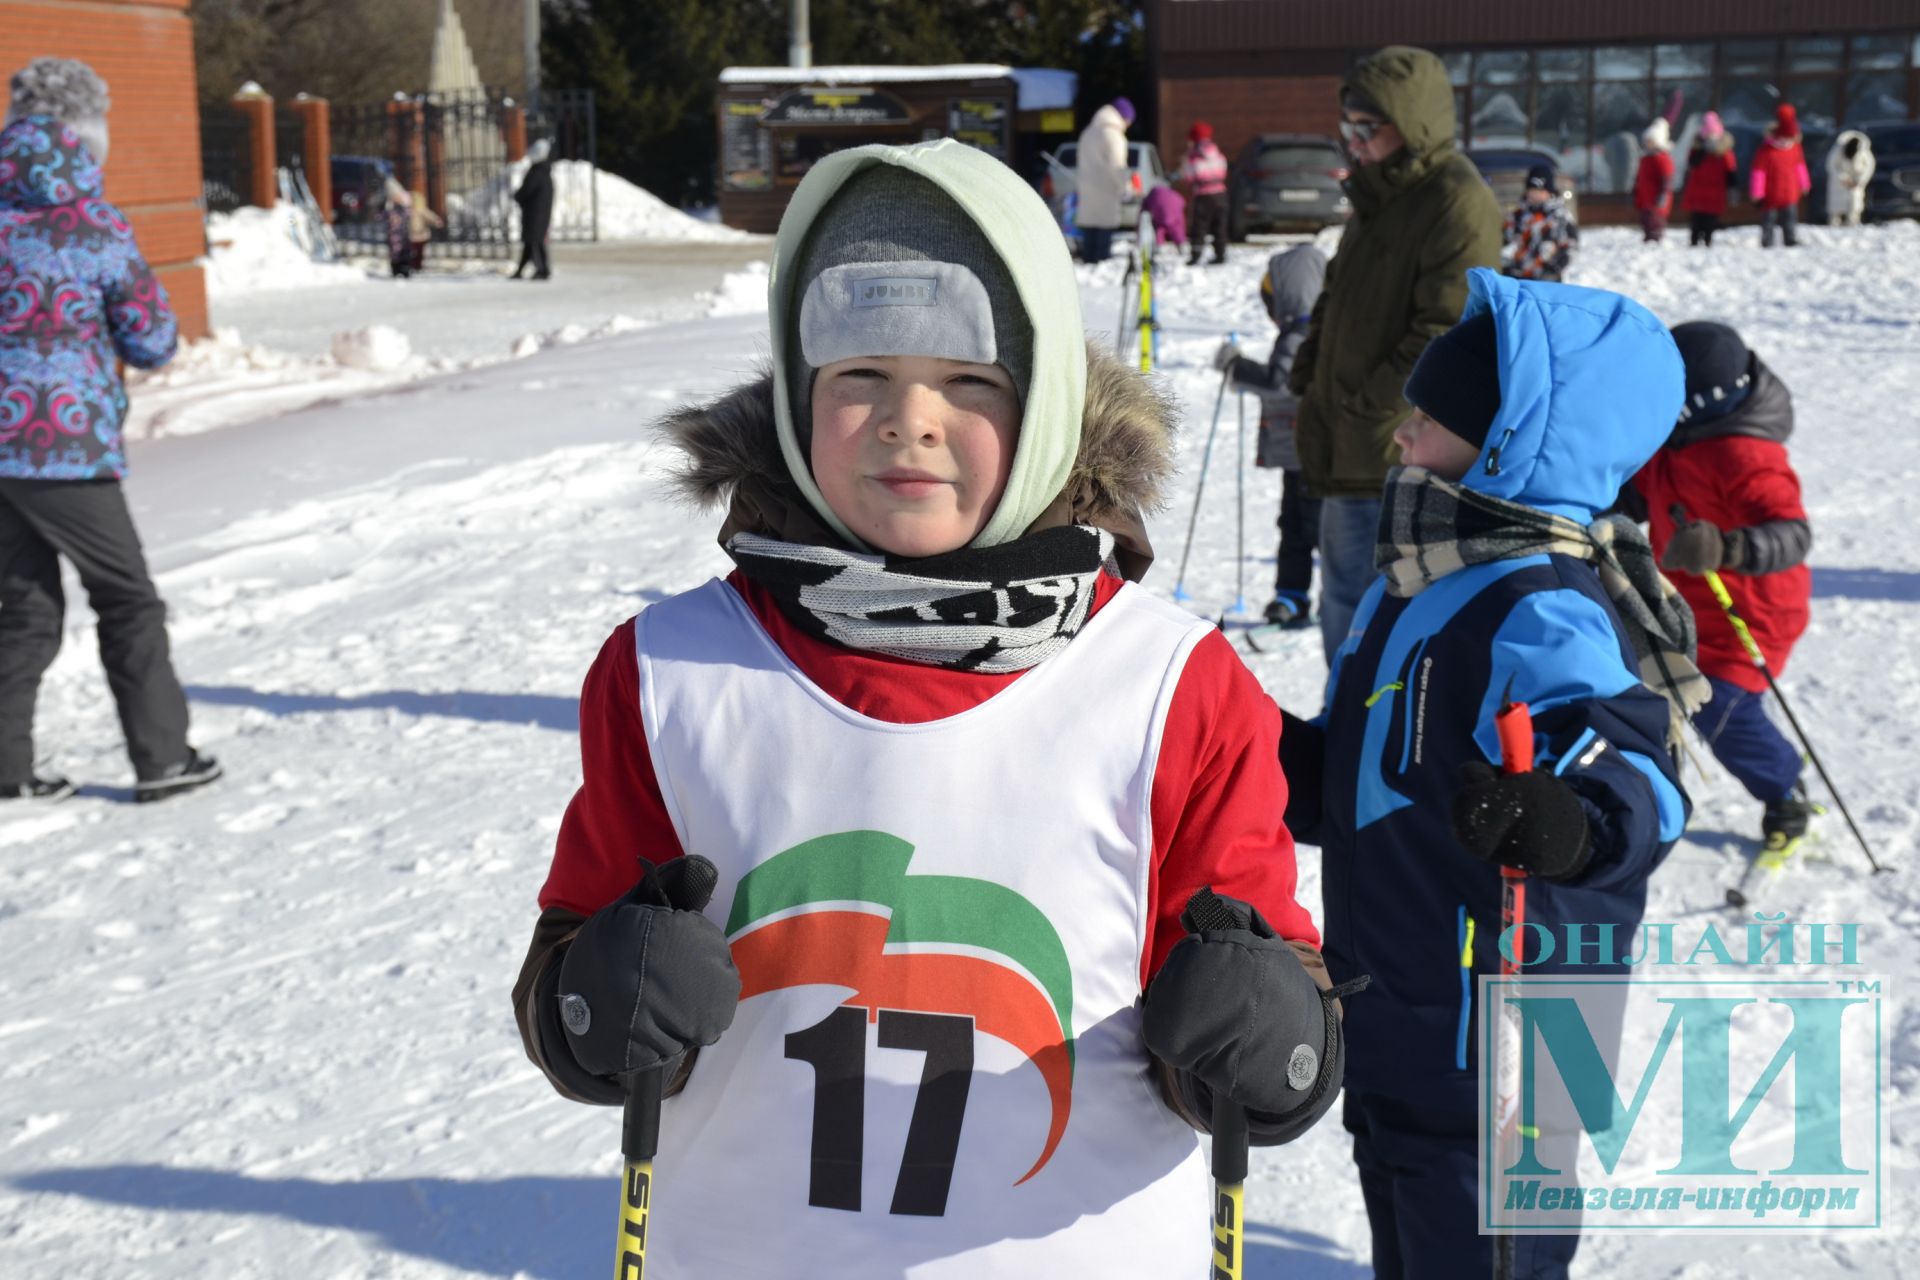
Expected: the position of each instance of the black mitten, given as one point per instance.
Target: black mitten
(1532, 821)
(648, 977)
(1697, 547)
(1234, 1007)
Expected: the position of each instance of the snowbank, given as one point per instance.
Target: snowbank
(255, 249)
(626, 212)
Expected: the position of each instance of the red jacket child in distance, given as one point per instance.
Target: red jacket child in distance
(1712, 171)
(1722, 495)
(1653, 180)
(957, 776)
(1779, 177)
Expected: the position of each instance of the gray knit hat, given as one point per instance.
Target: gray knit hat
(68, 90)
(894, 267)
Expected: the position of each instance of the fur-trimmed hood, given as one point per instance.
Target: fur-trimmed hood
(1121, 471)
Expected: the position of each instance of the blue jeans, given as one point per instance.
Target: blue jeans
(1349, 528)
(1736, 726)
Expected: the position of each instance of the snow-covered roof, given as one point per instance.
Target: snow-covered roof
(1039, 88)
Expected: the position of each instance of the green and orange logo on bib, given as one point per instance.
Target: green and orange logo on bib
(842, 911)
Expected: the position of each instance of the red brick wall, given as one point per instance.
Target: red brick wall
(1238, 107)
(144, 51)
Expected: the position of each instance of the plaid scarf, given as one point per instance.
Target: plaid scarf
(991, 609)
(1431, 527)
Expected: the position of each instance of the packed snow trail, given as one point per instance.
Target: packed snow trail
(269, 1021)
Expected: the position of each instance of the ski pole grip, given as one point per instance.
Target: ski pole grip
(1229, 1125)
(1514, 726)
(640, 1121)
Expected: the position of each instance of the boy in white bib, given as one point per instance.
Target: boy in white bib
(958, 777)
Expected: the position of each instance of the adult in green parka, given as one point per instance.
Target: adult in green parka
(1422, 215)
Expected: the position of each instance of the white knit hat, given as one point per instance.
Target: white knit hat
(71, 92)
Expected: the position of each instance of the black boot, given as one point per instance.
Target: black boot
(1785, 821)
(195, 771)
(37, 788)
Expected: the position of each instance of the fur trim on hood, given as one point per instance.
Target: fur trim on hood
(1121, 471)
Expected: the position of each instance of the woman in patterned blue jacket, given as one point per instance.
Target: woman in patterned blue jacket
(75, 297)
(1499, 580)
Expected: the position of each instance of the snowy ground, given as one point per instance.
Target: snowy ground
(270, 1021)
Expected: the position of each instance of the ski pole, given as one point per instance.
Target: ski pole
(1759, 659)
(1206, 457)
(1514, 727)
(1228, 1123)
(1229, 1127)
(1126, 308)
(639, 1142)
(1240, 514)
(1747, 642)
(640, 1117)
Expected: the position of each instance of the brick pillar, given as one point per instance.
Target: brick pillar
(513, 129)
(437, 170)
(316, 149)
(406, 141)
(255, 106)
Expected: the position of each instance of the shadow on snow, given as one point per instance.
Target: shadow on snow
(542, 710)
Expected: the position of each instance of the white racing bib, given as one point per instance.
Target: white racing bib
(936, 1068)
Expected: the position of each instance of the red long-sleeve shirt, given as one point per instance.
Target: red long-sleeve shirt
(1218, 793)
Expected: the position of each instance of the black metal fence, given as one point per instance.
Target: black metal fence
(450, 150)
(226, 160)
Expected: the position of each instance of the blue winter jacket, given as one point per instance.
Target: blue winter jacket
(1590, 383)
(74, 293)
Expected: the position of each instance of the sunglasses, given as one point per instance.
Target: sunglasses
(1358, 131)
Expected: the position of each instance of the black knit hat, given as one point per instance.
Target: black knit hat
(1719, 369)
(1456, 381)
(1540, 177)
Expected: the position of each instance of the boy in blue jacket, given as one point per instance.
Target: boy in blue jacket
(1497, 583)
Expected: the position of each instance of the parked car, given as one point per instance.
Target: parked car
(1505, 169)
(358, 182)
(1061, 181)
(1286, 182)
(1894, 191)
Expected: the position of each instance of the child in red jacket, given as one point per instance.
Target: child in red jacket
(957, 778)
(1653, 181)
(1721, 495)
(1780, 178)
(1711, 173)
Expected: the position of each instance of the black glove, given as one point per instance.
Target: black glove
(1234, 1007)
(1698, 547)
(648, 977)
(1533, 821)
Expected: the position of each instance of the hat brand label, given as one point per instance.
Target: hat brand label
(897, 291)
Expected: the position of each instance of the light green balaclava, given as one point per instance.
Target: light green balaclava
(1015, 225)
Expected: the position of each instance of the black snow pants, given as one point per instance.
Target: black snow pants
(1419, 1177)
(1299, 534)
(1207, 216)
(534, 253)
(86, 521)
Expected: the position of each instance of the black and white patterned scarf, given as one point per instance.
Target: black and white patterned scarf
(1431, 527)
(990, 609)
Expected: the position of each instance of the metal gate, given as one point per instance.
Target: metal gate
(451, 150)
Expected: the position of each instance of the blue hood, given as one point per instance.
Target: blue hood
(44, 163)
(1590, 385)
